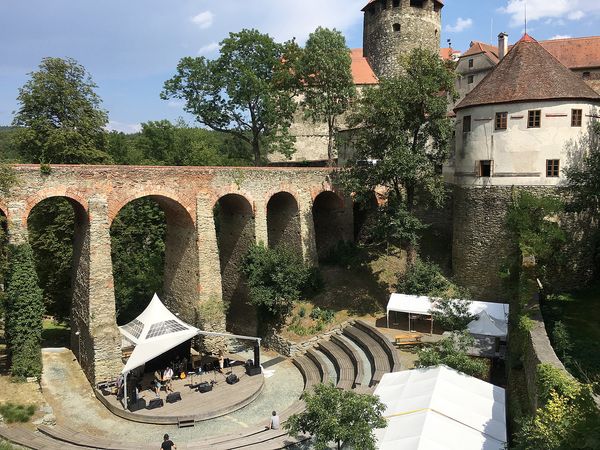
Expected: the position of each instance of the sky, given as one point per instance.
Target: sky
(131, 47)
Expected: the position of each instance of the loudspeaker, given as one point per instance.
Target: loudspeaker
(140, 404)
(251, 370)
(226, 363)
(232, 378)
(156, 403)
(173, 397)
(205, 387)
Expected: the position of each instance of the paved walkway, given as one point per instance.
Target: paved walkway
(70, 395)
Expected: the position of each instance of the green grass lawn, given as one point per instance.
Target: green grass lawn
(55, 334)
(580, 312)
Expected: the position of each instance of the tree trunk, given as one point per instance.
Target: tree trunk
(339, 445)
(411, 249)
(331, 129)
(256, 152)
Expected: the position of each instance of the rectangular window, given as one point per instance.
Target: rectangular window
(396, 4)
(417, 3)
(535, 119)
(485, 168)
(576, 116)
(470, 79)
(501, 120)
(466, 124)
(471, 63)
(552, 167)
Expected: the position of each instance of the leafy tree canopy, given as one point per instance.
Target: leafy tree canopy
(60, 116)
(328, 87)
(402, 126)
(246, 91)
(583, 172)
(336, 415)
(452, 352)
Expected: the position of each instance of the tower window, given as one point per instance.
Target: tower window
(534, 119)
(552, 168)
(501, 119)
(416, 3)
(384, 4)
(437, 6)
(485, 168)
(396, 3)
(471, 63)
(466, 124)
(576, 116)
(396, 27)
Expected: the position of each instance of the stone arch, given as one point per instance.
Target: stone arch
(181, 260)
(76, 198)
(235, 230)
(169, 201)
(283, 221)
(331, 222)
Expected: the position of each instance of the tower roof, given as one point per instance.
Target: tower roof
(528, 73)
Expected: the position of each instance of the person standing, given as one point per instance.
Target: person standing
(167, 443)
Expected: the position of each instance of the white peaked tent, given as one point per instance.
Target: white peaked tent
(155, 331)
(439, 408)
(486, 325)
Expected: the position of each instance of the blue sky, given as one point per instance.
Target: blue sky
(131, 47)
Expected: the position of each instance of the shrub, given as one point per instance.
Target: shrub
(452, 352)
(552, 379)
(322, 315)
(452, 314)
(24, 312)
(277, 278)
(562, 341)
(16, 413)
(344, 254)
(423, 278)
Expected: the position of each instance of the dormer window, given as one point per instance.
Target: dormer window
(587, 75)
(396, 27)
(534, 119)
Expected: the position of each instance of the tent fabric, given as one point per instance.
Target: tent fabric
(414, 304)
(486, 325)
(155, 331)
(438, 407)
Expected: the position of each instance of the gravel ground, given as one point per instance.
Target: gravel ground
(68, 392)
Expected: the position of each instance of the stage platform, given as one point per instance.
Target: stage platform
(223, 399)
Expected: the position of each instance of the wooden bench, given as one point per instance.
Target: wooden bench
(357, 361)
(341, 361)
(386, 344)
(82, 440)
(308, 369)
(407, 339)
(320, 363)
(379, 358)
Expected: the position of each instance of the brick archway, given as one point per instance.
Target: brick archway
(283, 221)
(76, 198)
(168, 199)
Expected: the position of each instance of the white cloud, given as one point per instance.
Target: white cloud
(460, 25)
(208, 49)
(545, 9)
(560, 36)
(127, 128)
(204, 19)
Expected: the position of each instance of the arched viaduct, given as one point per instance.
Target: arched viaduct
(298, 206)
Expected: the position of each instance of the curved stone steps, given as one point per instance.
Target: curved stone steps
(342, 362)
(34, 440)
(386, 344)
(319, 359)
(375, 352)
(353, 353)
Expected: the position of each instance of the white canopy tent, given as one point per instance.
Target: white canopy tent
(155, 331)
(486, 325)
(438, 407)
(421, 305)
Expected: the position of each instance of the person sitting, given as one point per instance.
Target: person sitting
(157, 383)
(274, 424)
(167, 377)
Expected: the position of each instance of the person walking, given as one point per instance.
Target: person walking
(167, 443)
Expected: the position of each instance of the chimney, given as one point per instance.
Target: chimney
(502, 45)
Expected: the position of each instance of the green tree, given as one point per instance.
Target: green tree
(276, 279)
(8, 179)
(452, 352)
(60, 116)
(24, 312)
(583, 171)
(336, 415)
(402, 126)
(325, 68)
(452, 314)
(246, 92)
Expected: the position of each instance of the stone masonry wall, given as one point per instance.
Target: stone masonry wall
(188, 195)
(383, 45)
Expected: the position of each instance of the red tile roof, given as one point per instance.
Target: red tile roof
(575, 53)
(481, 47)
(448, 53)
(528, 73)
(361, 70)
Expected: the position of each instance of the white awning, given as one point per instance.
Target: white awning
(486, 325)
(438, 407)
(413, 304)
(155, 331)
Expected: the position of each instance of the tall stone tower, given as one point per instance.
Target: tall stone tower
(395, 27)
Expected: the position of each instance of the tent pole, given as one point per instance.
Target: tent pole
(409, 323)
(125, 388)
(388, 318)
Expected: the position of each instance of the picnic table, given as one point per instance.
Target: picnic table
(407, 339)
